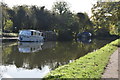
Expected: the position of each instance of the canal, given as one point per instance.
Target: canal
(35, 59)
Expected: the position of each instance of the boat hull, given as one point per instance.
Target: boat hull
(30, 38)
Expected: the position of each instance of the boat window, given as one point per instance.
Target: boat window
(31, 48)
(31, 32)
(37, 34)
(26, 33)
(41, 34)
(34, 33)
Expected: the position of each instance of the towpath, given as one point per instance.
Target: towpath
(112, 69)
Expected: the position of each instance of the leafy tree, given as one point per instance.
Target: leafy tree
(5, 15)
(60, 19)
(84, 22)
(106, 16)
(21, 17)
(61, 7)
(33, 17)
(8, 26)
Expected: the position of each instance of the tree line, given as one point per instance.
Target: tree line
(104, 21)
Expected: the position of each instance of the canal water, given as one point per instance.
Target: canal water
(35, 59)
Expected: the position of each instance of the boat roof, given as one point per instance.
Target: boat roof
(31, 30)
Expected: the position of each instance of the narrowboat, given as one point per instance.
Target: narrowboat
(30, 36)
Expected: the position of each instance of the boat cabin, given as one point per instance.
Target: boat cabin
(30, 35)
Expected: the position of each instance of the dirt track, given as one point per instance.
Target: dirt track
(111, 70)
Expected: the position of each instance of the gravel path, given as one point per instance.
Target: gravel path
(111, 70)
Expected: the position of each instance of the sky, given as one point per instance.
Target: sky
(75, 5)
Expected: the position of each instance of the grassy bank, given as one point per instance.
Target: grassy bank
(90, 66)
(9, 34)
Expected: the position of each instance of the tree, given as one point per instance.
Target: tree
(84, 22)
(8, 26)
(61, 7)
(61, 20)
(5, 15)
(106, 16)
(20, 17)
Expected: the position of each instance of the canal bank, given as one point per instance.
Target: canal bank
(8, 39)
(91, 65)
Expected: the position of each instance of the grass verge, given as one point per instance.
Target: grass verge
(91, 65)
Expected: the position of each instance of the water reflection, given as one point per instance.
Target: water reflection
(85, 40)
(12, 71)
(50, 54)
(29, 47)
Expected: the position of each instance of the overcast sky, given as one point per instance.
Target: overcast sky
(75, 5)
